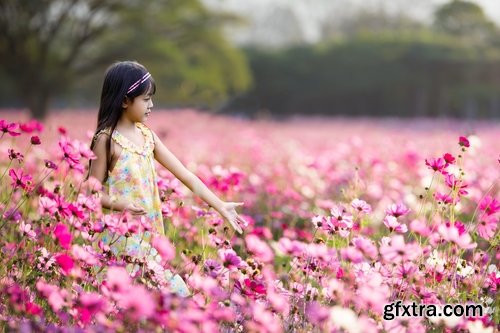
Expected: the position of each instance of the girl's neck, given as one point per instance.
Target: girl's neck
(125, 124)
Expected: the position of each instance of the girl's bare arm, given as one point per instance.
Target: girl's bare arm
(169, 161)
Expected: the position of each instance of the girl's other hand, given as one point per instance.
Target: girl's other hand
(229, 213)
(135, 209)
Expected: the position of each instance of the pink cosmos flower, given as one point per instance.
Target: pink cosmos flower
(393, 225)
(397, 210)
(212, 267)
(463, 142)
(117, 280)
(316, 313)
(436, 164)
(25, 229)
(420, 228)
(361, 206)
(89, 304)
(229, 258)
(9, 128)
(14, 155)
(31, 126)
(444, 198)
(20, 179)
(65, 262)
(451, 233)
(137, 302)
(164, 247)
(487, 226)
(456, 184)
(489, 205)
(259, 249)
(251, 288)
(46, 206)
(341, 217)
(55, 297)
(396, 250)
(63, 235)
(366, 246)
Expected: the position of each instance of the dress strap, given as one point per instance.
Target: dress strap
(125, 143)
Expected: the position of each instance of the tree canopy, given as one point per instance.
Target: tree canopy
(47, 46)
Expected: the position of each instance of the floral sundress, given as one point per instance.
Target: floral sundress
(133, 178)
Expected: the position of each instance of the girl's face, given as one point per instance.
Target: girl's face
(139, 109)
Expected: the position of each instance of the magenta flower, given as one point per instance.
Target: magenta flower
(449, 158)
(229, 258)
(252, 288)
(463, 142)
(443, 198)
(35, 140)
(65, 262)
(63, 235)
(9, 128)
(489, 205)
(14, 155)
(50, 165)
(397, 210)
(89, 304)
(456, 184)
(31, 126)
(436, 164)
(393, 224)
(212, 267)
(20, 179)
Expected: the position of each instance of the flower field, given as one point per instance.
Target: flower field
(345, 216)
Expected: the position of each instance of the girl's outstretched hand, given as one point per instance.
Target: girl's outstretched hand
(228, 211)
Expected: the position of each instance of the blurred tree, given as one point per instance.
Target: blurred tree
(467, 21)
(48, 45)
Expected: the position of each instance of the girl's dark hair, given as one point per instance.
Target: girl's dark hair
(119, 77)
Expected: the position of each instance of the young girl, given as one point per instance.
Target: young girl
(125, 151)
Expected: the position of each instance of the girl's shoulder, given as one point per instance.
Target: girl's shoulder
(105, 131)
(148, 132)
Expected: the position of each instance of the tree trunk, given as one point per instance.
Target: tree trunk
(38, 103)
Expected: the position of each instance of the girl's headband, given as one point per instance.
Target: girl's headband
(138, 83)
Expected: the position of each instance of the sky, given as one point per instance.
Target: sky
(269, 20)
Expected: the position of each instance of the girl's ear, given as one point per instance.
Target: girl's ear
(126, 102)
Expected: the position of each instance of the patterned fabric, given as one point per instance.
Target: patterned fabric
(133, 178)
